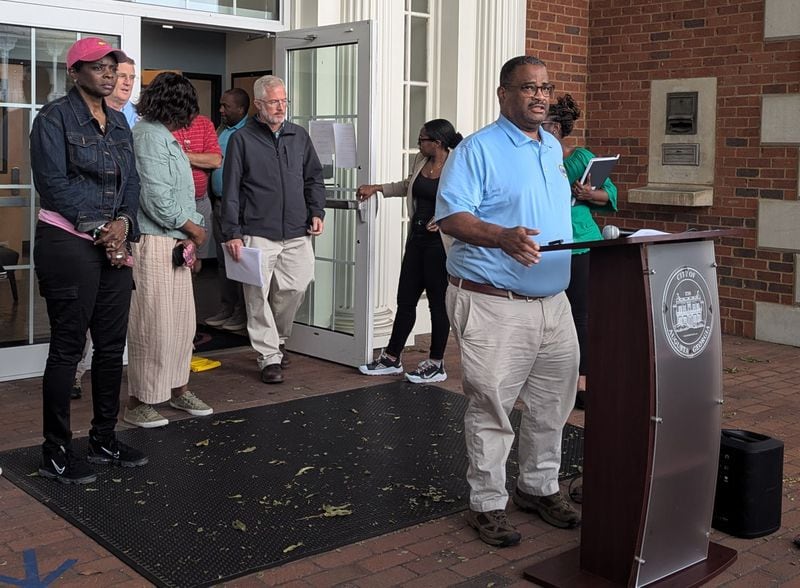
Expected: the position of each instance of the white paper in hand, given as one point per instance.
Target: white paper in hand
(248, 269)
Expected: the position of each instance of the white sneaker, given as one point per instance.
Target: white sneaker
(427, 372)
(144, 416)
(217, 320)
(191, 404)
(236, 322)
(383, 366)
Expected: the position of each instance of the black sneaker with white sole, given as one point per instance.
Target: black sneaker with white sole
(428, 371)
(114, 452)
(62, 465)
(383, 366)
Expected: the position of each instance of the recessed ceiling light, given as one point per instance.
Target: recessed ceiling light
(166, 26)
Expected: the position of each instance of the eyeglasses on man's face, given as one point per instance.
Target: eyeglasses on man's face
(531, 90)
(127, 77)
(275, 103)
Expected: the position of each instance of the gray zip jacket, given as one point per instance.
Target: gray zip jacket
(271, 188)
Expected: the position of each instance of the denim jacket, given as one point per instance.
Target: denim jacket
(85, 176)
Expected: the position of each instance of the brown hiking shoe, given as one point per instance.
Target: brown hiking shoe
(493, 527)
(553, 509)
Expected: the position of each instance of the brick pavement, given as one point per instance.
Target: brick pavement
(760, 383)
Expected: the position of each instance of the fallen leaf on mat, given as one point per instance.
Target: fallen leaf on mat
(235, 496)
(292, 547)
(239, 525)
(336, 511)
(331, 511)
(302, 471)
(247, 449)
(203, 443)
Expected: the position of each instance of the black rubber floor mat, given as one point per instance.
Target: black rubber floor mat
(234, 493)
(211, 339)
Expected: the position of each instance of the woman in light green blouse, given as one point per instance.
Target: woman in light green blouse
(585, 198)
(162, 318)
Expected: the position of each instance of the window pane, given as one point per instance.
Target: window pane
(15, 64)
(52, 80)
(416, 113)
(15, 167)
(419, 6)
(418, 49)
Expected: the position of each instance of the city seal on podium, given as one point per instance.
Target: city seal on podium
(688, 318)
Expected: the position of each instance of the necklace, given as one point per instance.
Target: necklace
(432, 169)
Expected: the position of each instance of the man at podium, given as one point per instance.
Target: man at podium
(504, 191)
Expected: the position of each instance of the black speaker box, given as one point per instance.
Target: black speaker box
(749, 484)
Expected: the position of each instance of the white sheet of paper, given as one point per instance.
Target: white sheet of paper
(321, 132)
(344, 135)
(247, 269)
(648, 233)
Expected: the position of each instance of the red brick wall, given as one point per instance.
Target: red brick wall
(557, 33)
(630, 43)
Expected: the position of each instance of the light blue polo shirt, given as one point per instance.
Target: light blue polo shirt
(130, 113)
(502, 176)
(223, 137)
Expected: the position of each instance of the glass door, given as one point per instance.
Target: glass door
(328, 75)
(33, 47)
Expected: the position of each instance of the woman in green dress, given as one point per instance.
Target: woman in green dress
(585, 199)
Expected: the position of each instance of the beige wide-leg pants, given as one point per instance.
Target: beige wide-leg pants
(162, 321)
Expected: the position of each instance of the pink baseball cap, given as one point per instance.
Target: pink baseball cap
(91, 49)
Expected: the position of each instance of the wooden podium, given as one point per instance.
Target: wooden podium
(653, 418)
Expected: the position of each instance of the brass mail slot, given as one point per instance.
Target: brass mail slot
(680, 154)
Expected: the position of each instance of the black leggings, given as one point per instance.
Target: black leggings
(423, 269)
(578, 295)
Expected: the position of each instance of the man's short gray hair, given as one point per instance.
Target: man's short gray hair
(263, 83)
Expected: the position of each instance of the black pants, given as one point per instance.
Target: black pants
(423, 269)
(82, 290)
(578, 295)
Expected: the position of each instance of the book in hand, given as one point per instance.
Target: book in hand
(599, 169)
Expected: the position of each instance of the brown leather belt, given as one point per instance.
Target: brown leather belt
(490, 290)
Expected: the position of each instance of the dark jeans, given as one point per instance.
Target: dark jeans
(82, 290)
(423, 269)
(230, 291)
(578, 295)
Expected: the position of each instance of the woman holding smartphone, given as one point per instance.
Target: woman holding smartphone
(424, 259)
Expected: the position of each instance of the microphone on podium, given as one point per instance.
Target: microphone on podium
(614, 232)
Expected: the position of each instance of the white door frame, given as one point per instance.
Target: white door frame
(28, 360)
(355, 348)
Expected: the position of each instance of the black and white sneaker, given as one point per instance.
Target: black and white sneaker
(62, 465)
(383, 366)
(428, 371)
(114, 452)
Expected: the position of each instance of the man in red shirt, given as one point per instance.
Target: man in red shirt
(199, 142)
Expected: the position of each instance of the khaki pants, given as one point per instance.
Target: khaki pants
(288, 268)
(514, 349)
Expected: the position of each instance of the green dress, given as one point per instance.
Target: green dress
(584, 228)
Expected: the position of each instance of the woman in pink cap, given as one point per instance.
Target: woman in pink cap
(85, 173)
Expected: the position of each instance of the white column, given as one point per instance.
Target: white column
(477, 38)
(385, 145)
